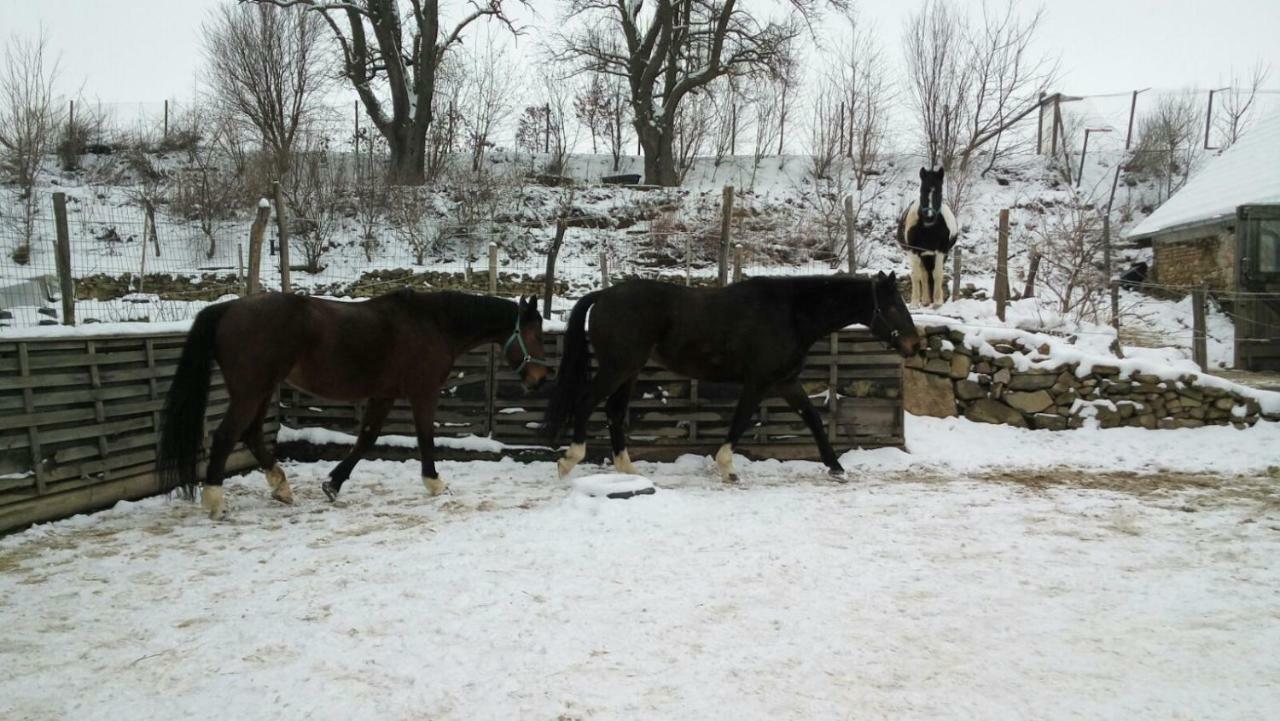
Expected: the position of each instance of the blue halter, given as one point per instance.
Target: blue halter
(528, 358)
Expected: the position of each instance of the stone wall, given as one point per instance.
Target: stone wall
(1208, 259)
(1014, 383)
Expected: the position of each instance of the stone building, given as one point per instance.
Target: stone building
(1222, 230)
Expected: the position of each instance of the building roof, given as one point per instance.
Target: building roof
(1247, 173)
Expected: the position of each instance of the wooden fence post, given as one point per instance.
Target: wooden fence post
(549, 279)
(688, 260)
(1199, 345)
(737, 262)
(604, 268)
(240, 269)
(256, 233)
(166, 120)
(726, 215)
(62, 258)
(955, 273)
(1001, 289)
(1033, 267)
(848, 235)
(1113, 285)
(282, 228)
(493, 269)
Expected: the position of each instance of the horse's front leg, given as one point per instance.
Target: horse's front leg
(747, 405)
(939, 278)
(917, 279)
(374, 415)
(793, 393)
(424, 419)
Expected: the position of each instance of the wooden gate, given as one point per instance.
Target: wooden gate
(1257, 304)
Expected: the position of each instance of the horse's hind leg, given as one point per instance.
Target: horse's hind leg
(374, 415)
(747, 405)
(793, 393)
(240, 413)
(602, 386)
(939, 278)
(616, 410)
(917, 280)
(252, 438)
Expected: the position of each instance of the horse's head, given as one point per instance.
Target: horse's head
(523, 349)
(891, 321)
(930, 196)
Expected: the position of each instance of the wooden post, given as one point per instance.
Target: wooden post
(726, 215)
(1057, 121)
(142, 270)
(1040, 126)
(737, 262)
(240, 269)
(1199, 350)
(166, 120)
(549, 279)
(1113, 285)
(1033, 267)
(1002, 264)
(604, 268)
(355, 139)
(849, 244)
(688, 260)
(282, 228)
(955, 273)
(256, 233)
(62, 258)
(1084, 149)
(493, 269)
(1133, 107)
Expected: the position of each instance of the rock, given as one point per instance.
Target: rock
(1034, 402)
(1146, 388)
(1121, 388)
(1146, 378)
(1075, 422)
(997, 390)
(1173, 406)
(1127, 410)
(1032, 381)
(1066, 397)
(1002, 376)
(1198, 413)
(937, 366)
(932, 330)
(1048, 422)
(960, 366)
(1004, 348)
(1224, 404)
(1188, 423)
(1189, 401)
(1064, 411)
(967, 390)
(1003, 361)
(1044, 349)
(1212, 392)
(957, 337)
(984, 366)
(1105, 370)
(926, 394)
(1147, 420)
(987, 410)
(1108, 418)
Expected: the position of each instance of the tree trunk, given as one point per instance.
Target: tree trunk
(659, 155)
(408, 157)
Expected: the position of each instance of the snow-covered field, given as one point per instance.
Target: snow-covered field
(988, 575)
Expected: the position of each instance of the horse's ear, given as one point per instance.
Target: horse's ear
(942, 170)
(923, 173)
(893, 276)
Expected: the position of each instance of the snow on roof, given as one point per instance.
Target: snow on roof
(1246, 173)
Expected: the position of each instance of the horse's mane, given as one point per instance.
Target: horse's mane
(455, 311)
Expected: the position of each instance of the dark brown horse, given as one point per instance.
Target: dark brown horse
(755, 333)
(399, 345)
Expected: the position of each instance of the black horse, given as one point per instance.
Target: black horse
(755, 333)
(928, 230)
(399, 345)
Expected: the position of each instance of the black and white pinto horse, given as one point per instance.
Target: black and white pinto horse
(928, 230)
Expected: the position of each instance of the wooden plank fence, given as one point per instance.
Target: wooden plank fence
(79, 418)
(79, 415)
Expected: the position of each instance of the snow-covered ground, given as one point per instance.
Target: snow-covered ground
(988, 575)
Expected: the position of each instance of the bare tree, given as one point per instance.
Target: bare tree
(672, 49)
(488, 88)
(547, 127)
(938, 79)
(315, 195)
(29, 119)
(1069, 245)
(1238, 102)
(866, 93)
(602, 107)
(379, 59)
(207, 191)
(1168, 146)
(266, 69)
(413, 222)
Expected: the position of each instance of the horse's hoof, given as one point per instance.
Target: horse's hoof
(435, 486)
(838, 475)
(283, 495)
(330, 491)
(731, 478)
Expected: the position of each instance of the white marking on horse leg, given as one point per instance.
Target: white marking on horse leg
(280, 489)
(576, 452)
(724, 459)
(917, 280)
(435, 486)
(212, 500)
(622, 462)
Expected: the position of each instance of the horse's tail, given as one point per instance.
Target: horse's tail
(571, 378)
(182, 420)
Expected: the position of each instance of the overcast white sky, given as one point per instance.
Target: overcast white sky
(148, 50)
